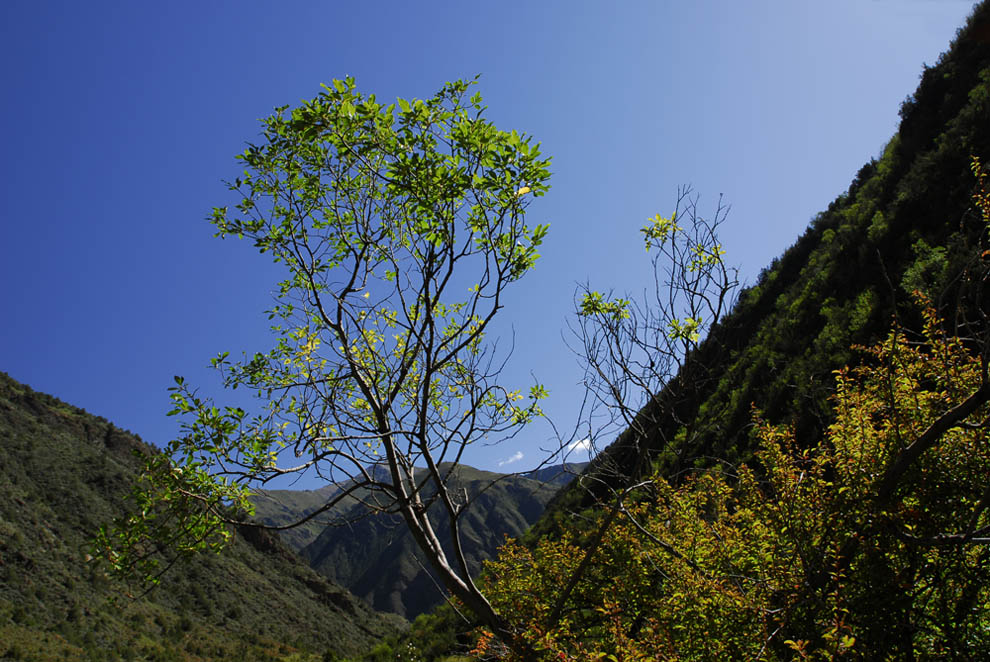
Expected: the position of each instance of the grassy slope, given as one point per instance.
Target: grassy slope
(64, 472)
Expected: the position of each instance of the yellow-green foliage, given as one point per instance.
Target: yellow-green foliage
(819, 553)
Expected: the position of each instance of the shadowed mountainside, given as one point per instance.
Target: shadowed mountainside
(375, 556)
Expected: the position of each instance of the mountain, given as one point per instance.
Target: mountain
(63, 473)
(556, 474)
(905, 223)
(376, 557)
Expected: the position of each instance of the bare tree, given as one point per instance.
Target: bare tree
(637, 356)
(635, 350)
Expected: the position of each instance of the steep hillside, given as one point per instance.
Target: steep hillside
(63, 473)
(375, 556)
(905, 223)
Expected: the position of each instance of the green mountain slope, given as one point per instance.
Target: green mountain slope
(905, 223)
(63, 473)
(377, 559)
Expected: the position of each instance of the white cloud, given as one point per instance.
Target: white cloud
(581, 445)
(515, 458)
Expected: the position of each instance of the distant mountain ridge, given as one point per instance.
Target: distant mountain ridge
(375, 556)
(556, 474)
(63, 473)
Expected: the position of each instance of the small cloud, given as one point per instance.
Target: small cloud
(581, 445)
(515, 458)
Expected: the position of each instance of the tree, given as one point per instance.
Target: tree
(637, 352)
(399, 229)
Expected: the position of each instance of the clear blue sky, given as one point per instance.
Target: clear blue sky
(120, 119)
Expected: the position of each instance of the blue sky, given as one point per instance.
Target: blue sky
(122, 118)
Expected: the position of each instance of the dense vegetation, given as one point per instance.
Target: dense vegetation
(63, 473)
(871, 543)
